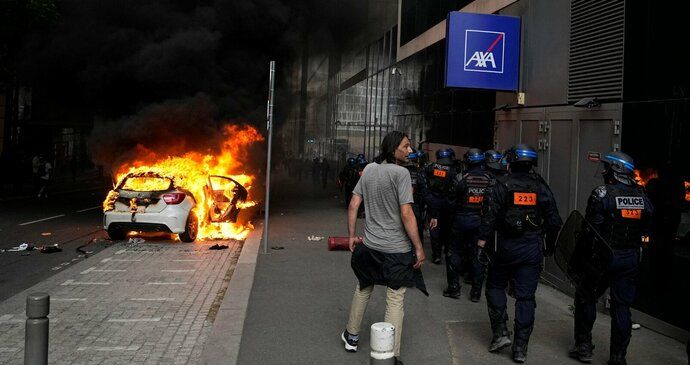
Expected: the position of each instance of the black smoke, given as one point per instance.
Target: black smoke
(111, 58)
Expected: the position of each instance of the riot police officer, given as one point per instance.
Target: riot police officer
(470, 187)
(620, 211)
(438, 199)
(348, 178)
(521, 209)
(418, 185)
(494, 163)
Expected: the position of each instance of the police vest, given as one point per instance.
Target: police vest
(522, 213)
(414, 176)
(628, 209)
(440, 177)
(471, 198)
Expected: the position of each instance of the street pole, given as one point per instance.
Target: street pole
(269, 130)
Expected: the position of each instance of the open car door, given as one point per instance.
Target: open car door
(223, 195)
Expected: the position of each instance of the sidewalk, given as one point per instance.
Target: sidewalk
(301, 297)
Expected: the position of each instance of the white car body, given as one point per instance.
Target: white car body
(158, 217)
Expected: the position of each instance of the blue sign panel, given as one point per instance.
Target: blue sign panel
(483, 51)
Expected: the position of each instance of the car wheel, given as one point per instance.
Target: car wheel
(116, 234)
(191, 228)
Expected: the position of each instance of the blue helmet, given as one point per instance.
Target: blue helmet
(415, 154)
(494, 159)
(522, 153)
(620, 165)
(474, 156)
(361, 160)
(351, 162)
(445, 153)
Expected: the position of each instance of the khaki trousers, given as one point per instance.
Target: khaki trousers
(395, 311)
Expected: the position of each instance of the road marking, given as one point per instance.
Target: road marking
(153, 299)
(109, 348)
(93, 269)
(41, 220)
(87, 209)
(72, 282)
(155, 319)
(187, 260)
(119, 260)
(161, 283)
(191, 270)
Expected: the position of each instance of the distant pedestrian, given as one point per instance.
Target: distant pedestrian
(391, 252)
(315, 171)
(325, 170)
(44, 172)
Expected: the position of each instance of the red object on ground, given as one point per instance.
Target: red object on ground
(338, 244)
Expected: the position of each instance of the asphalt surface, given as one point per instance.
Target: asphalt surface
(69, 220)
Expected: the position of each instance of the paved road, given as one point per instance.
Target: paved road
(152, 302)
(69, 220)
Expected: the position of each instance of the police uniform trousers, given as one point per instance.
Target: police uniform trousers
(620, 276)
(418, 211)
(519, 259)
(440, 236)
(463, 250)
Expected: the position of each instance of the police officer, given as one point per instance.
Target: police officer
(418, 185)
(470, 188)
(348, 177)
(438, 199)
(521, 209)
(620, 211)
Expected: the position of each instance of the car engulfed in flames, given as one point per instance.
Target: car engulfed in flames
(194, 195)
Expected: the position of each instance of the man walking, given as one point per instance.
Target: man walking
(386, 256)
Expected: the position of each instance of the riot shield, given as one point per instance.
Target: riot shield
(582, 254)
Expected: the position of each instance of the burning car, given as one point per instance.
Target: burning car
(151, 202)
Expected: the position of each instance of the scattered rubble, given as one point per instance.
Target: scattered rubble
(314, 238)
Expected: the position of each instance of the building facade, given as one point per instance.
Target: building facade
(594, 76)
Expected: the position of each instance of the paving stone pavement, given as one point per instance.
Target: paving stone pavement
(149, 303)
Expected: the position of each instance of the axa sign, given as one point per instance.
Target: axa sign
(482, 51)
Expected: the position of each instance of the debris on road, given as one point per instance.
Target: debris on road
(46, 234)
(51, 249)
(136, 240)
(315, 238)
(277, 248)
(21, 247)
(218, 247)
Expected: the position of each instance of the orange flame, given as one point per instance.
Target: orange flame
(642, 177)
(191, 170)
(687, 190)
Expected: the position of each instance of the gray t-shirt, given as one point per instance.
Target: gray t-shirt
(384, 188)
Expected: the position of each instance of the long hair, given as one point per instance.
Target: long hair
(388, 146)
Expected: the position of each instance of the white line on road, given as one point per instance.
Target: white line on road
(109, 348)
(93, 269)
(41, 220)
(119, 260)
(161, 283)
(154, 319)
(191, 270)
(153, 299)
(67, 299)
(72, 282)
(87, 209)
(187, 260)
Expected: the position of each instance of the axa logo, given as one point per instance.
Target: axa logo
(484, 51)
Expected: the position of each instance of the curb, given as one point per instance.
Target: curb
(223, 343)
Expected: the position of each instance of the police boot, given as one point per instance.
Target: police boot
(617, 359)
(582, 351)
(452, 291)
(519, 351)
(475, 294)
(501, 336)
